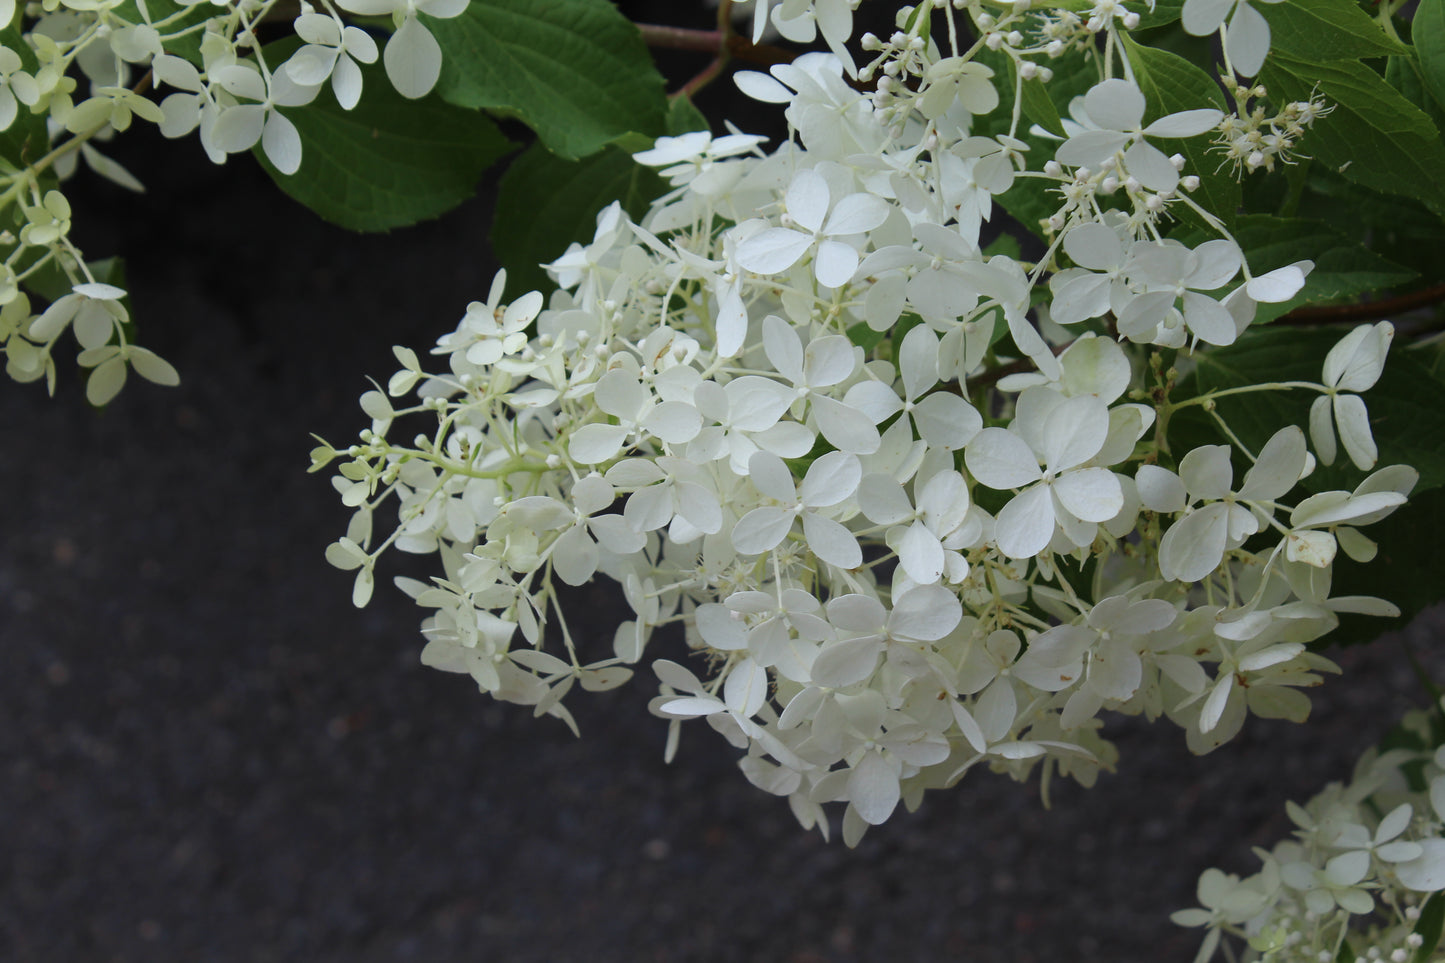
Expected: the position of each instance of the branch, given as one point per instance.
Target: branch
(1370, 310)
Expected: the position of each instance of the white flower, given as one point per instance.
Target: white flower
(1354, 364)
(830, 480)
(331, 50)
(239, 126)
(1116, 109)
(1063, 434)
(1168, 271)
(775, 249)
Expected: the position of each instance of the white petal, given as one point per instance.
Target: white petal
(575, 556)
(1115, 105)
(238, 128)
(746, 688)
(873, 789)
(346, 83)
(1206, 471)
(1322, 429)
(920, 553)
(1186, 123)
(761, 530)
(831, 542)
(1278, 285)
(1001, 460)
(806, 200)
(1074, 432)
(1248, 40)
(847, 662)
(282, 143)
(773, 250)
(1026, 525)
(1354, 423)
(1426, 873)
(856, 214)
(925, 614)
(835, 263)
(1280, 464)
(760, 86)
(1090, 494)
(831, 479)
(413, 59)
(1149, 165)
(772, 477)
(105, 383)
(846, 428)
(1194, 546)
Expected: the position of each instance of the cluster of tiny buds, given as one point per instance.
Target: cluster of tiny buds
(902, 55)
(1063, 31)
(1250, 139)
(1087, 183)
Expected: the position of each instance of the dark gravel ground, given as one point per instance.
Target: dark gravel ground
(206, 754)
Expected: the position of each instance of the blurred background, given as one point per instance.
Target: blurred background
(206, 754)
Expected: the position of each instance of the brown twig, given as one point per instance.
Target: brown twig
(722, 41)
(1345, 313)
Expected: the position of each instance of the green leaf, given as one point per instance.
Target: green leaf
(1428, 32)
(1171, 84)
(683, 117)
(389, 162)
(1429, 926)
(1037, 105)
(1403, 73)
(548, 202)
(1164, 12)
(1344, 269)
(1321, 30)
(1374, 136)
(575, 71)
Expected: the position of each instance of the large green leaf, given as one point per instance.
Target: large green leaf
(547, 202)
(1428, 32)
(1320, 30)
(575, 71)
(389, 162)
(1171, 84)
(1374, 136)
(1405, 75)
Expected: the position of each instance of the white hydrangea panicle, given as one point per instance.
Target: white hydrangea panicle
(799, 412)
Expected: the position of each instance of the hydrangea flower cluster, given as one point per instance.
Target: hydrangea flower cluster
(1354, 880)
(913, 501)
(85, 67)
